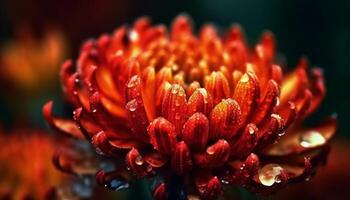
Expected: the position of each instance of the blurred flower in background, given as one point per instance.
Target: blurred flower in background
(29, 63)
(26, 165)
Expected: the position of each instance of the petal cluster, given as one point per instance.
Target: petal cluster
(209, 108)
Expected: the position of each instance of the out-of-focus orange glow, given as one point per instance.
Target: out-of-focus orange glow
(29, 63)
(25, 165)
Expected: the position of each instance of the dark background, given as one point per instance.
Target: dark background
(318, 29)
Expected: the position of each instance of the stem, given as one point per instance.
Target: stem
(176, 189)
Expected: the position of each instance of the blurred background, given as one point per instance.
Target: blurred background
(36, 36)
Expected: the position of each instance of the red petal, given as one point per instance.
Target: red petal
(209, 187)
(87, 126)
(180, 26)
(243, 171)
(304, 140)
(216, 155)
(200, 101)
(195, 132)
(267, 103)
(181, 161)
(174, 106)
(160, 192)
(246, 94)
(66, 126)
(225, 119)
(155, 159)
(217, 85)
(136, 163)
(246, 143)
(161, 93)
(136, 111)
(192, 88)
(162, 135)
(317, 88)
(271, 131)
(114, 127)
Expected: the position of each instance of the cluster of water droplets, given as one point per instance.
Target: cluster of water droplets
(269, 174)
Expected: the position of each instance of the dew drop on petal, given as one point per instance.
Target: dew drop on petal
(133, 82)
(251, 130)
(139, 160)
(277, 101)
(131, 105)
(244, 78)
(281, 133)
(149, 168)
(117, 185)
(269, 174)
(210, 150)
(311, 139)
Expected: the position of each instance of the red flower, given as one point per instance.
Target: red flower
(208, 108)
(25, 165)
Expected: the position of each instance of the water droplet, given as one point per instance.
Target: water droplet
(139, 160)
(99, 151)
(211, 150)
(149, 168)
(94, 110)
(311, 139)
(133, 82)
(117, 185)
(277, 101)
(131, 105)
(226, 182)
(268, 174)
(76, 80)
(133, 36)
(251, 130)
(245, 78)
(281, 133)
(175, 89)
(278, 179)
(276, 116)
(75, 92)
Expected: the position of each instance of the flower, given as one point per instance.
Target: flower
(25, 165)
(29, 64)
(209, 109)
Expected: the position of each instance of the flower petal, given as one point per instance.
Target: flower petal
(225, 119)
(160, 192)
(304, 140)
(217, 85)
(200, 101)
(208, 186)
(267, 103)
(216, 155)
(246, 94)
(174, 106)
(195, 132)
(181, 161)
(163, 136)
(66, 126)
(135, 161)
(246, 143)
